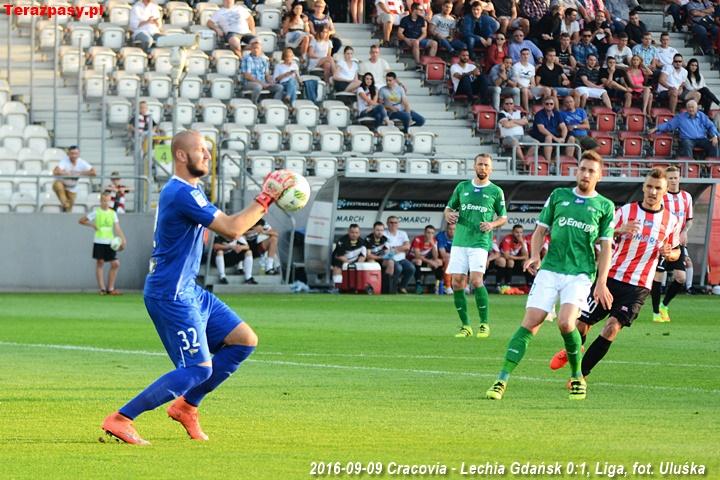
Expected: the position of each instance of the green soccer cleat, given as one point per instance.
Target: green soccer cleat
(464, 332)
(497, 391)
(657, 318)
(664, 313)
(578, 389)
(483, 330)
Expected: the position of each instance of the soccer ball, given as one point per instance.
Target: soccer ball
(115, 243)
(296, 197)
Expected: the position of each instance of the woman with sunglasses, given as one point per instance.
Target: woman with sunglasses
(497, 51)
(696, 82)
(367, 102)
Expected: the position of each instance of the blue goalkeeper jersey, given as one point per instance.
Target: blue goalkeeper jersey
(182, 215)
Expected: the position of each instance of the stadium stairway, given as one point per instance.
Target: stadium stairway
(266, 283)
(454, 135)
(65, 132)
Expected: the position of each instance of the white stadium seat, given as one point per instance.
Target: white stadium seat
(237, 137)
(47, 34)
(12, 138)
(226, 62)
(275, 112)
(198, 63)
(357, 165)
(119, 111)
(70, 60)
(213, 111)
(111, 35)
(423, 140)
(221, 87)
(155, 108)
(299, 138)
(207, 130)
(295, 164)
(134, 60)
(161, 60)
(325, 167)
(331, 139)
(96, 84)
(81, 35)
(23, 202)
(261, 165)
(449, 166)
(271, 18)
(119, 13)
(36, 138)
(31, 160)
(191, 87)
(52, 157)
(179, 13)
(337, 113)
(185, 111)
(126, 84)
(418, 166)
(269, 138)
(15, 114)
(204, 11)
(158, 85)
(102, 59)
(268, 39)
(207, 39)
(392, 140)
(244, 111)
(307, 113)
(362, 140)
(388, 165)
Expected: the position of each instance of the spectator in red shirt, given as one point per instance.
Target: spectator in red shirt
(513, 251)
(425, 254)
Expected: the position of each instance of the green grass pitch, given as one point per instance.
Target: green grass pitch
(351, 378)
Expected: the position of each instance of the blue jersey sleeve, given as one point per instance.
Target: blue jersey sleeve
(194, 205)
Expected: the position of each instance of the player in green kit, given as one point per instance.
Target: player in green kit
(577, 217)
(477, 207)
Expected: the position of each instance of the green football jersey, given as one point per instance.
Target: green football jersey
(575, 223)
(476, 205)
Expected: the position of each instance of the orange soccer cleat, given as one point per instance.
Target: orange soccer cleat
(560, 359)
(121, 428)
(187, 416)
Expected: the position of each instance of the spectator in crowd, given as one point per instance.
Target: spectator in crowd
(513, 252)
(318, 18)
(671, 84)
(375, 65)
(117, 192)
(398, 245)
(444, 240)
(233, 252)
(551, 76)
(518, 44)
(620, 52)
(425, 7)
(345, 72)
(296, 29)
(389, 14)
(466, 77)
(350, 248)
(546, 31)
(601, 30)
(442, 28)
(636, 82)
(477, 28)
(71, 167)
(648, 53)
(235, 24)
(635, 29)
(396, 103)
(145, 22)
(512, 124)
(696, 83)
(424, 253)
(549, 127)
(591, 87)
(287, 75)
(533, 10)
(577, 123)
(377, 251)
(413, 33)
(144, 120)
(357, 11)
(263, 241)
(619, 12)
(616, 82)
(565, 56)
(570, 25)
(694, 128)
(368, 104)
(678, 10)
(320, 53)
(498, 51)
(507, 15)
(256, 73)
(524, 71)
(104, 220)
(503, 82)
(585, 48)
(665, 53)
(703, 24)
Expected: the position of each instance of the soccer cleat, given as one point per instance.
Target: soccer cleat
(114, 292)
(497, 391)
(448, 291)
(657, 318)
(464, 332)
(664, 313)
(559, 360)
(483, 330)
(187, 416)
(121, 428)
(578, 389)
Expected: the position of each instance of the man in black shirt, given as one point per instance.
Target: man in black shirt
(349, 248)
(635, 29)
(589, 85)
(616, 82)
(551, 75)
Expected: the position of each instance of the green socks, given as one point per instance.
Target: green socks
(573, 344)
(515, 352)
(461, 306)
(483, 305)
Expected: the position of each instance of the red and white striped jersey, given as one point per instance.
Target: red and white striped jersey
(681, 204)
(636, 255)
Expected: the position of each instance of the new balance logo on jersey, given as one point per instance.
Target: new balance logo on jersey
(648, 223)
(470, 206)
(564, 204)
(571, 222)
(466, 194)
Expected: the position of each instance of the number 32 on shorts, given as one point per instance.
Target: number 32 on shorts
(189, 338)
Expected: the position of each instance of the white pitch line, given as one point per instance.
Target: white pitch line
(83, 348)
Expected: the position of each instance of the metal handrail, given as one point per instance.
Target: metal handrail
(39, 176)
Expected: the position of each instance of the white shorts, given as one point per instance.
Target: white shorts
(572, 289)
(591, 92)
(390, 17)
(466, 259)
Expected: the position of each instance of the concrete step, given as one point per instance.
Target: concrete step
(234, 278)
(248, 289)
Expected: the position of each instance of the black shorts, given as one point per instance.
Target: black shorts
(679, 264)
(245, 38)
(103, 251)
(627, 303)
(256, 248)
